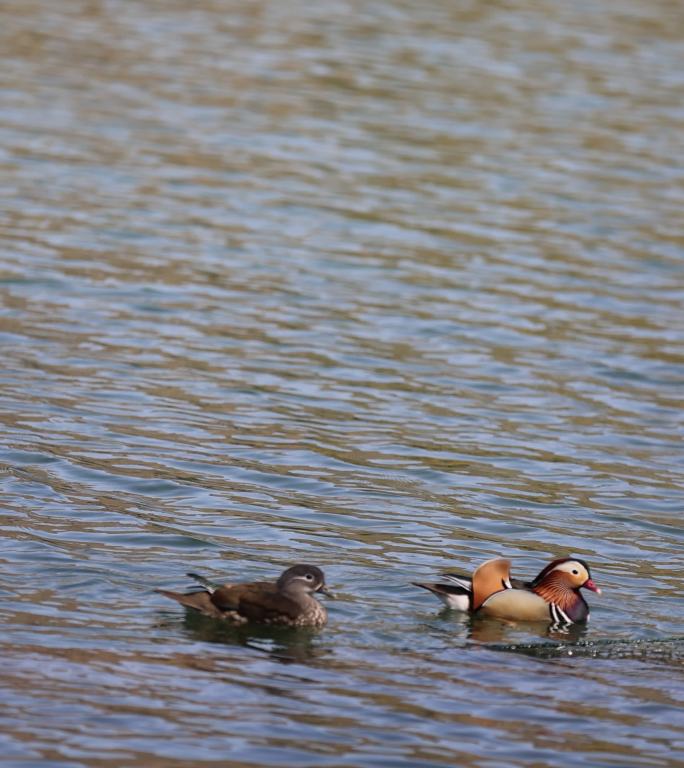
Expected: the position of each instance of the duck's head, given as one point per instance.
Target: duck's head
(303, 578)
(568, 572)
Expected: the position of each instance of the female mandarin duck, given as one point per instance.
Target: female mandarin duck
(287, 602)
(554, 595)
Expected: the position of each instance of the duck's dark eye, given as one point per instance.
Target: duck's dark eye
(309, 577)
(575, 572)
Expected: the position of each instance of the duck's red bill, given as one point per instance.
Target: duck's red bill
(589, 584)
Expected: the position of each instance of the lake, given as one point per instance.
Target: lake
(390, 288)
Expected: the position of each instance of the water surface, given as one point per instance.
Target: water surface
(387, 287)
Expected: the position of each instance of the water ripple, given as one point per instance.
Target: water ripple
(390, 289)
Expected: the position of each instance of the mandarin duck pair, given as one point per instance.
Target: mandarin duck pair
(553, 596)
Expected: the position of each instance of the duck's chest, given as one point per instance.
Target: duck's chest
(313, 614)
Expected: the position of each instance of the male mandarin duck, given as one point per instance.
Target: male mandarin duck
(286, 602)
(554, 595)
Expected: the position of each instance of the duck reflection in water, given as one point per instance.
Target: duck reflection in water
(285, 644)
(488, 630)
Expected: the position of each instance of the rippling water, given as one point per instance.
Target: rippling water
(388, 287)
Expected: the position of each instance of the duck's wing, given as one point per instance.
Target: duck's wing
(459, 580)
(198, 601)
(267, 605)
(453, 596)
(490, 577)
(228, 597)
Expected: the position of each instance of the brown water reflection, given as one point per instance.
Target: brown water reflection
(389, 287)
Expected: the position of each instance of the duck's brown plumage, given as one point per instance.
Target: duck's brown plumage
(288, 602)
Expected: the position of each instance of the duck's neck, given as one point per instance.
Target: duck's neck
(299, 596)
(569, 600)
